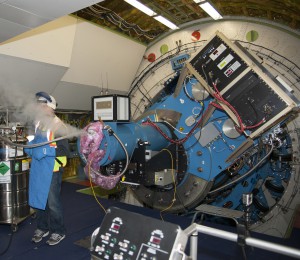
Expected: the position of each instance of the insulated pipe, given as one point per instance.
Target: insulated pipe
(130, 135)
(289, 251)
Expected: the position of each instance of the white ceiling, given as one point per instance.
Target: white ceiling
(70, 59)
(19, 16)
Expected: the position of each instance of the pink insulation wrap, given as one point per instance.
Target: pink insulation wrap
(89, 146)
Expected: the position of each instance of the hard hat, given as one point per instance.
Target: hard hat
(43, 97)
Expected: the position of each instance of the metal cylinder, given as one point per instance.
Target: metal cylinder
(130, 134)
(14, 176)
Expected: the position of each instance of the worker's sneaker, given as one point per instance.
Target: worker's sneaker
(55, 239)
(38, 235)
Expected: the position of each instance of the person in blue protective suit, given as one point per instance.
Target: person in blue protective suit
(46, 169)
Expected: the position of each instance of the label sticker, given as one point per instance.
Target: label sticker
(5, 172)
(225, 61)
(232, 68)
(216, 53)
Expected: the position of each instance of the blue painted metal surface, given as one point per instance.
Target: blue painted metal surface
(130, 134)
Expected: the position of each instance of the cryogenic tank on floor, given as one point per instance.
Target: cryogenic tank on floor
(14, 175)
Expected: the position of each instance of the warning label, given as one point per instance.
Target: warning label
(5, 172)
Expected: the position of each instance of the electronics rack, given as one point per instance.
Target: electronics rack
(243, 83)
(111, 108)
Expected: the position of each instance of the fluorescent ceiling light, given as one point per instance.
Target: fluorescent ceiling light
(166, 22)
(141, 7)
(209, 9)
(151, 13)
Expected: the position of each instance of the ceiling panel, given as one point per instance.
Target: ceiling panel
(21, 17)
(52, 8)
(18, 16)
(16, 75)
(10, 29)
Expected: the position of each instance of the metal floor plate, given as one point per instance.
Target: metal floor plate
(221, 212)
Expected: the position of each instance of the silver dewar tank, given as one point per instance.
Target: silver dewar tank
(14, 176)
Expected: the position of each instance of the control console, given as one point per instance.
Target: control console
(126, 235)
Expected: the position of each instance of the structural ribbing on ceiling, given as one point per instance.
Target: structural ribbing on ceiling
(285, 12)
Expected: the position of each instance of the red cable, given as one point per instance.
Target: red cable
(256, 125)
(242, 128)
(217, 106)
(180, 141)
(219, 97)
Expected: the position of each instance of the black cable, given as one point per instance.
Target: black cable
(112, 17)
(252, 44)
(8, 245)
(152, 67)
(255, 111)
(160, 61)
(244, 175)
(136, 107)
(221, 182)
